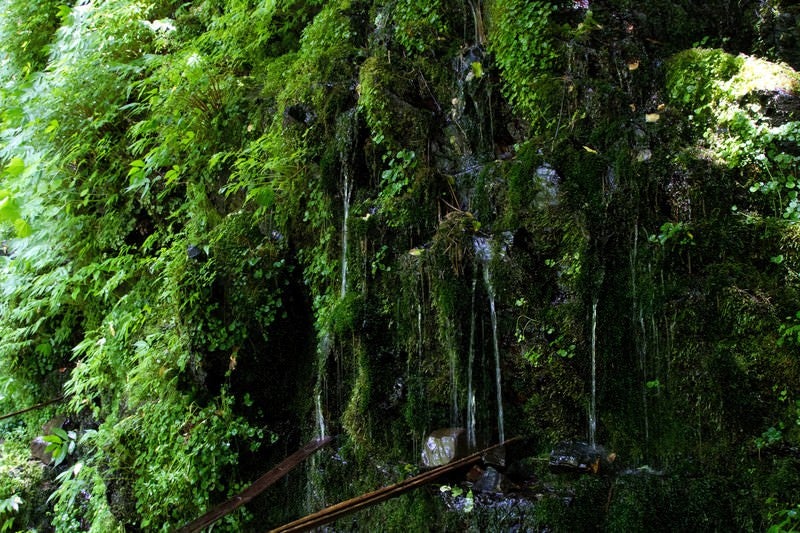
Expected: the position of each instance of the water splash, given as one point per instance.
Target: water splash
(483, 251)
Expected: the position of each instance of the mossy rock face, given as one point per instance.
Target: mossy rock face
(391, 105)
(699, 78)
(188, 241)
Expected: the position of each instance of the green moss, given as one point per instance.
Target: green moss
(384, 99)
(531, 189)
(696, 78)
(356, 419)
(322, 70)
(22, 478)
(721, 95)
(575, 507)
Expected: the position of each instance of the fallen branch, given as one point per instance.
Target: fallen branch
(32, 408)
(256, 488)
(350, 506)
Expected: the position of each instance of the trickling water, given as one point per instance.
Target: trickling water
(346, 139)
(641, 340)
(593, 407)
(470, 392)
(323, 351)
(420, 338)
(484, 253)
(347, 189)
(643, 365)
(455, 411)
(320, 418)
(420, 350)
(490, 289)
(315, 490)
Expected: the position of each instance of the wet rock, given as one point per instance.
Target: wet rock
(474, 474)
(194, 252)
(495, 456)
(490, 481)
(580, 457)
(39, 445)
(443, 446)
(777, 106)
(122, 501)
(298, 114)
(549, 181)
(57, 421)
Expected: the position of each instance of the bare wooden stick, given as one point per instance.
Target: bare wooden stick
(32, 408)
(258, 486)
(339, 510)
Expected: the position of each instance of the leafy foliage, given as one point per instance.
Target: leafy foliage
(522, 40)
(60, 444)
(9, 506)
(419, 26)
(27, 30)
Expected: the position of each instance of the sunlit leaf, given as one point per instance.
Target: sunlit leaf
(15, 167)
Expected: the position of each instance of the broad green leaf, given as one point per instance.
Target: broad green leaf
(22, 228)
(9, 210)
(15, 167)
(44, 349)
(61, 433)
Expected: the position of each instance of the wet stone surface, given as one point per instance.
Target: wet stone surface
(443, 446)
(580, 457)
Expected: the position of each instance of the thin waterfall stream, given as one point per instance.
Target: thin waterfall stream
(316, 495)
(593, 406)
(347, 189)
(498, 376)
(346, 133)
(320, 418)
(483, 251)
(323, 350)
(470, 362)
(346, 139)
(315, 491)
(455, 388)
